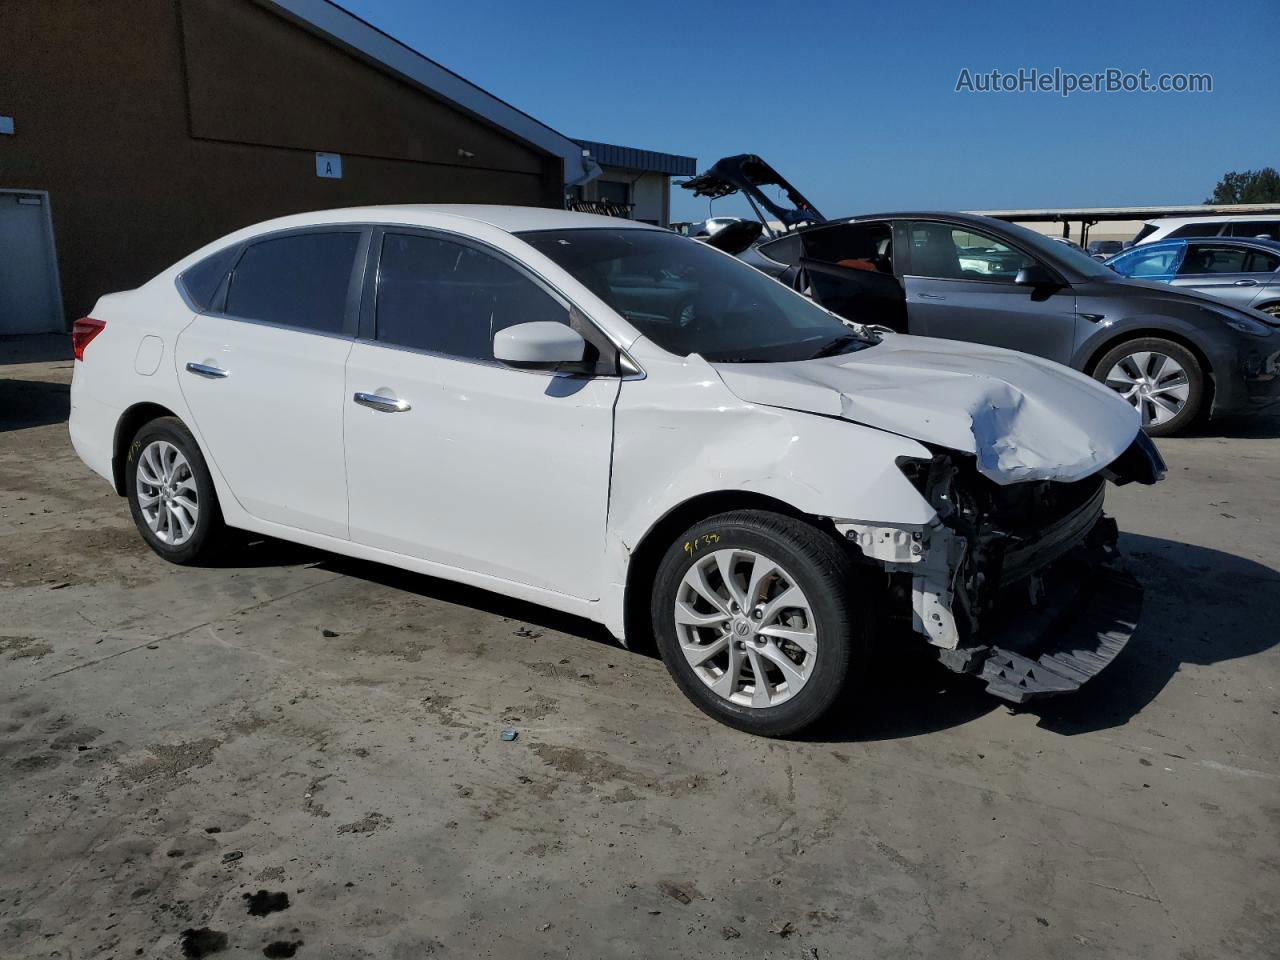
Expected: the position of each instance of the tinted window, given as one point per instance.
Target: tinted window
(1152, 261)
(855, 246)
(300, 280)
(201, 281)
(689, 298)
(1059, 255)
(1205, 258)
(786, 249)
(959, 253)
(1257, 228)
(1146, 230)
(1259, 261)
(451, 299)
(1197, 230)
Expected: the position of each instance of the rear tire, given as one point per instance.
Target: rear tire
(171, 494)
(811, 637)
(1163, 380)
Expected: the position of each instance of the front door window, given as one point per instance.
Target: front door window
(943, 251)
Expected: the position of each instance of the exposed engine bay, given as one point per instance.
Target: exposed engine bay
(1020, 582)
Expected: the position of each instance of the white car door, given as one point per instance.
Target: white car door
(263, 375)
(454, 458)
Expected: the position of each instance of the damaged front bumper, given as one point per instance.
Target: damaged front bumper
(1021, 585)
(1052, 639)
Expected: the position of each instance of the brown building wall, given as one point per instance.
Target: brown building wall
(159, 125)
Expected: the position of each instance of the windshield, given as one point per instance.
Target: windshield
(688, 298)
(1069, 256)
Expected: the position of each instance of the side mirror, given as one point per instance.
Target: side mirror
(1035, 276)
(542, 345)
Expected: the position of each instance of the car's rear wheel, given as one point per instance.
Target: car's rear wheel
(1163, 380)
(171, 494)
(754, 617)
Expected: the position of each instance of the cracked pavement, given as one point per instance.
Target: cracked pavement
(337, 724)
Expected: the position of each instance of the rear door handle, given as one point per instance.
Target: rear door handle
(1246, 283)
(205, 370)
(382, 404)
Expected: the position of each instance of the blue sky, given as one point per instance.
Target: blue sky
(855, 103)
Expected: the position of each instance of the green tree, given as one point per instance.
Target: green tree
(1252, 186)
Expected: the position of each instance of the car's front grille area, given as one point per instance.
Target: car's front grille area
(1024, 556)
(1012, 531)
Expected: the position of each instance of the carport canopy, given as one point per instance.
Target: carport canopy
(1089, 216)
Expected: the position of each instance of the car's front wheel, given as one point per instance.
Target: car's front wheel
(171, 494)
(755, 618)
(1162, 379)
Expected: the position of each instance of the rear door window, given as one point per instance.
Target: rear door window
(1259, 261)
(300, 280)
(1209, 229)
(1256, 228)
(1208, 258)
(201, 282)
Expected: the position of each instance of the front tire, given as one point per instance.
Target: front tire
(754, 615)
(1163, 380)
(171, 494)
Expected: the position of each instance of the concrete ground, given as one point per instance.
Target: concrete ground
(175, 740)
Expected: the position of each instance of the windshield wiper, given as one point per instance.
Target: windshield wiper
(837, 345)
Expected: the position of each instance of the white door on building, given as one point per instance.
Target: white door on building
(29, 300)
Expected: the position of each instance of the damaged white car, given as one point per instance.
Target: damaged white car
(614, 421)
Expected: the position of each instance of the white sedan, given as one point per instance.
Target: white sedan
(612, 420)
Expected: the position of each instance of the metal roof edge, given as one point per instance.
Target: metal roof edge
(634, 158)
(1133, 213)
(338, 25)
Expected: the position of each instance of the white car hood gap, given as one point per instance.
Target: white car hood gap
(1024, 418)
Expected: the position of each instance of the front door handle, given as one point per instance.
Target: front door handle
(932, 296)
(1246, 283)
(205, 370)
(382, 404)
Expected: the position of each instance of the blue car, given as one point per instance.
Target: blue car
(1243, 273)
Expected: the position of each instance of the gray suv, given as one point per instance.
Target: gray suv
(1174, 354)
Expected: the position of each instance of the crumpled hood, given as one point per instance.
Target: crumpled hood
(1023, 417)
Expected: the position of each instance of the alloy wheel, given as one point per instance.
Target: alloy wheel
(746, 628)
(167, 494)
(1154, 383)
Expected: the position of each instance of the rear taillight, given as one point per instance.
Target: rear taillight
(82, 332)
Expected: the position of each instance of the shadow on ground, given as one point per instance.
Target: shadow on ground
(1260, 424)
(472, 597)
(32, 403)
(1201, 607)
(34, 348)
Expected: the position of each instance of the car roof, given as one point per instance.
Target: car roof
(1210, 218)
(976, 219)
(512, 219)
(1263, 242)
